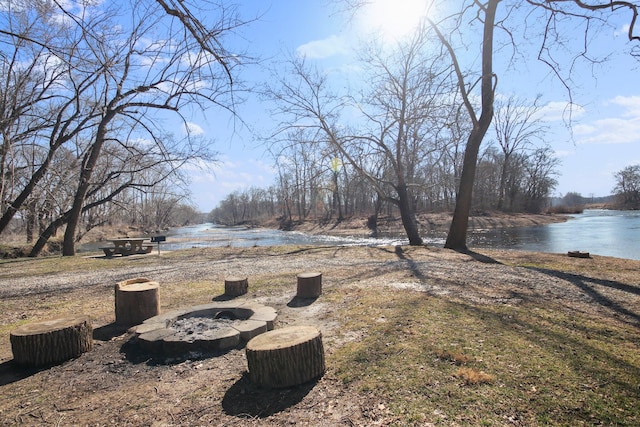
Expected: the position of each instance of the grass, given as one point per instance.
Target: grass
(491, 365)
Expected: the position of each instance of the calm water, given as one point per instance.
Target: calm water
(600, 232)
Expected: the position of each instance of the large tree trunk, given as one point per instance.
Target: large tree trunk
(457, 237)
(89, 163)
(408, 216)
(46, 234)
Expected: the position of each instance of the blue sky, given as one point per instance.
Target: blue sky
(605, 125)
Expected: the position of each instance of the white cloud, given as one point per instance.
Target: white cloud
(631, 103)
(609, 131)
(560, 110)
(622, 127)
(192, 129)
(564, 153)
(320, 49)
(623, 31)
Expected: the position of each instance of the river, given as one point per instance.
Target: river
(600, 232)
(597, 231)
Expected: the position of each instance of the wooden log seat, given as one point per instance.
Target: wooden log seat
(285, 357)
(49, 342)
(136, 301)
(578, 254)
(309, 285)
(235, 286)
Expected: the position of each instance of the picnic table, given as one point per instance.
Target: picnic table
(127, 246)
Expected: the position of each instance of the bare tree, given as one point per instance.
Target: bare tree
(401, 119)
(517, 126)
(628, 187)
(540, 181)
(111, 79)
(485, 13)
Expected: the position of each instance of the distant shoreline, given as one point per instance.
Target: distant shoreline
(430, 223)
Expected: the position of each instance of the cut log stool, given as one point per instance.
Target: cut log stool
(309, 285)
(285, 357)
(136, 301)
(50, 342)
(235, 286)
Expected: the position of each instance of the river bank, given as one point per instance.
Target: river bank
(432, 226)
(429, 224)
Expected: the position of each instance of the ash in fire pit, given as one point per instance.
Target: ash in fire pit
(209, 327)
(192, 328)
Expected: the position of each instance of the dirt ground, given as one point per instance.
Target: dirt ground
(118, 384)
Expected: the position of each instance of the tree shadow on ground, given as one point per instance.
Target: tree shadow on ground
(246, 400)
(480, 257)
(589, 286)
(297, 302)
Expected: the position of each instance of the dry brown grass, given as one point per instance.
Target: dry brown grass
(473, 377)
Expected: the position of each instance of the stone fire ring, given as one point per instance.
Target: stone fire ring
(158, 334)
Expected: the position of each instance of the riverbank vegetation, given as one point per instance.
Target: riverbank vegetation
(413, 336)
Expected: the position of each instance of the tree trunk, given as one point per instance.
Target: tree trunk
(50, 342)
(457, 237)
(89, 163)
(46, 234)
(17, 203)
(286, 357)
(408, 216)
(503, 182)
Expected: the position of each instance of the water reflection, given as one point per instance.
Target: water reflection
(597, 231)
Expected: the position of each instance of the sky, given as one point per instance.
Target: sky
(599, 138)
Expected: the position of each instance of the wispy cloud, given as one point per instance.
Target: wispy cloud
(621, 127)
(192, 129)
(623, 31)
(320, 49)
(561, 111)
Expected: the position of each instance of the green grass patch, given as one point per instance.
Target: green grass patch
(449, 362)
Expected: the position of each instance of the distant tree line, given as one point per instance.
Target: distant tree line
(309, 186)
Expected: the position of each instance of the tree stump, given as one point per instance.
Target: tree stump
(136, 301)
(285, 357)
(50, 342)
(309, 285)
(235, 286)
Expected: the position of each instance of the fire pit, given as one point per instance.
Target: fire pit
(205, 328)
